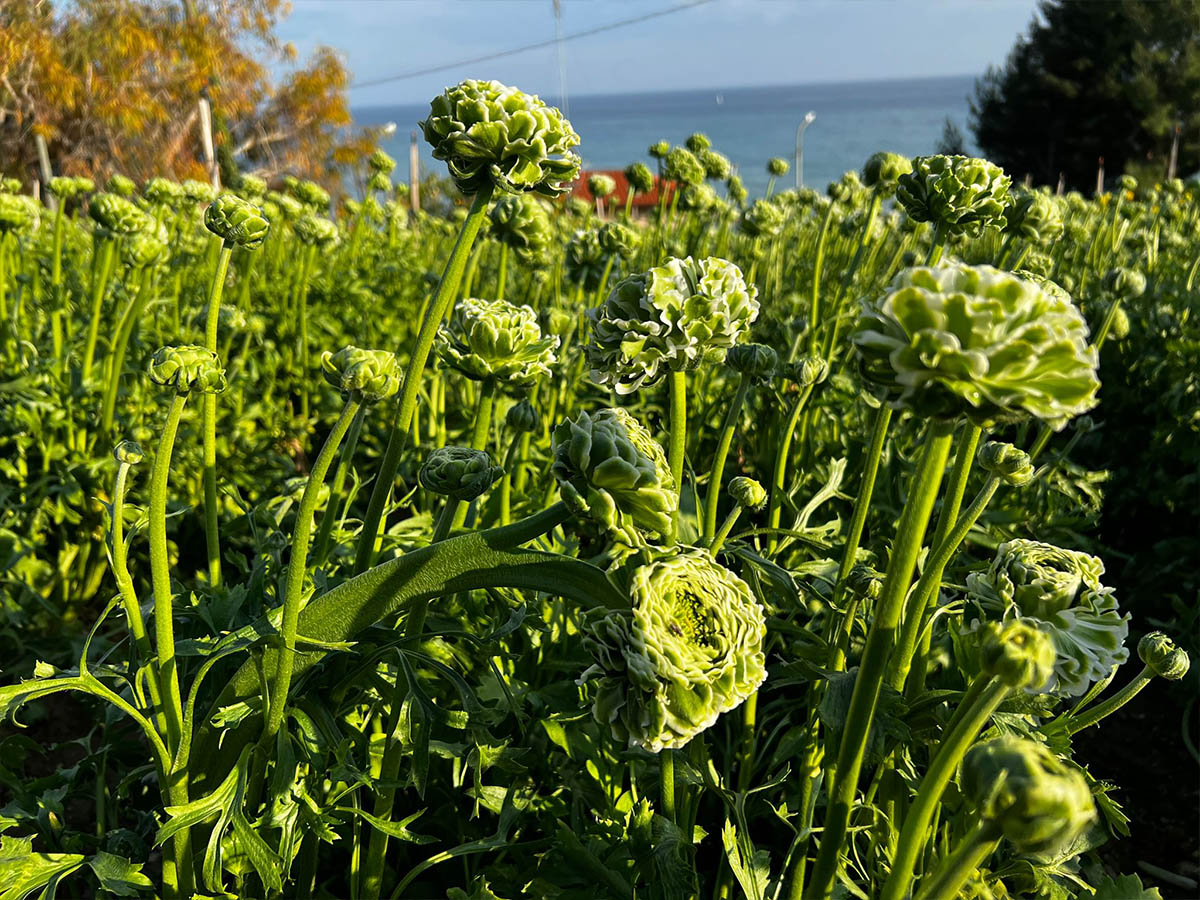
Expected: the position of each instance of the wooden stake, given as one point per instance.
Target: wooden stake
(1100, 177)
(47, 172)
(206, 141)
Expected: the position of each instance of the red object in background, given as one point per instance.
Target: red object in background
(616, 199)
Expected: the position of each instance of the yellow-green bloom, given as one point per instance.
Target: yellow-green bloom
(459, 472)
(1008, 462)
(372, 374)
(116, 214)
(316, 231)
(640, 178)
(883, 170)
(974, 340)
(959, 194)
(1017, 653)
(187, 368)
(601, 185)
(673, 317)
(523, 224)
(1034, 216)
(487, 132)
(688, 649)
(495, 339)
(747, 492)
(682, 166)
(762, 219)
(237, 222)
(610, 469)
(1163, 656)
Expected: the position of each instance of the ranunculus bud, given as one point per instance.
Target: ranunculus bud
(121, 185)
(615, 237)
(373, 374)
(682, 166)
(1017, 653)
(1127, 183)
(116, 214)
(1119, 329)
(146, 248)
(601, 185)
(763, 219)
(777, 167)
(865, 580)
(252, 188)
(311, 195)
(459, 472)
(18, 213)
(1006, 461)
(1125, 283)
(380, 162)
(659, 149)
(236, 222)
(1163, 656)
(198, 191)
(640, 178)
(187, 368)
(523, 417)
(883, 170)
(1038, 802)
(316, 231)
(737, 189)
(747, 492)
(757, 361)
(716, 165)
(64, 187)
(807, 370)
(128, 453)
(1035, 216)
(162, 191)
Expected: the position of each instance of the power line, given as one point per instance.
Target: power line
(538, 46)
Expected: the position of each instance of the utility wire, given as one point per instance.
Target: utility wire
(538, 46)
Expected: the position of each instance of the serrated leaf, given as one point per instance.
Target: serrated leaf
(22, 871)
(1123, 887)
(118, 875)
(751, 867)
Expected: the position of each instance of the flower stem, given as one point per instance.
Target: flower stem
(910, 534)
(779, 478)
(718, 465)
(666, 776)
(325, 531)
(212, 537)
(933, 785)
(1112, 704)
(101, 270)
(678, 437)
(479, 436)
(440, 304)
(814, 303)
(965, 860)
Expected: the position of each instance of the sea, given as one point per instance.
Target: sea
(748, 124)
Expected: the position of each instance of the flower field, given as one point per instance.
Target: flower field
(770, 548)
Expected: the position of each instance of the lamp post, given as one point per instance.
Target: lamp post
(808, 120)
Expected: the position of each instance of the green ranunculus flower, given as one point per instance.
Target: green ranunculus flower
(762, 219)
(673, 317)
(807, 370)
(974, 340)
(237, 222)
(585, 259)
(716, 165)
(688, 649)
(117, 215)
(373, 374)
(1010, 463)
(600, 185)
(1034, 216)
(619, 239)
(958, 194)
(737, 189)
(758, 361)
(698, 142)
(523, 224)
(459, 472)
(698, 198)
(146, 248)
(198, 191)
(311, 195)
(1124, 283)
(1018, 653)
(187, 368)
(487, 132)
(162, 191)
(252, 188)
(1163, 656)
(659, 149)
(18, 213)
(610, 468)
(121, 185)
(883, 170)
(316, 231)
(747, 492)
(682, 166)
(495, 339)
(1039, 802)
(777, 167)
(64, 187)
(640, 178)
(1060, 590)
(380, 162)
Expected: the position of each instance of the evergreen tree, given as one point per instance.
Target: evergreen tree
(1094, 80)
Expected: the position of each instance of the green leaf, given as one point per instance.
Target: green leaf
(751, 867)
(397, 830)
(1123, 887)
(118, 875)
(22, 871)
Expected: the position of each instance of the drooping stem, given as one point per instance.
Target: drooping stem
(933, 785)
(440, 304)
(718, 465)
(910, 535)
(970, 854)
(212, 538)
(1112, 704)
(281, 682)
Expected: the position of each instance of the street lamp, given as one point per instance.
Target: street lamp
(808, 120)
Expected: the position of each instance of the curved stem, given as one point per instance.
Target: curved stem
(719, 538)
(779, 476)
(718, 465)
(1112, 704)
(440, 304)
(974, 849)
(910, 534)
(212, 538)
(933, 785)
(297, 566)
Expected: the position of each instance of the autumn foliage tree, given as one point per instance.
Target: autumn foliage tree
(114, 85)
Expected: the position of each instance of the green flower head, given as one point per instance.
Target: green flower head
(1060, 591)
(974, 340)
(763, 219)
(117, 215)
(777, 167)
(883, 170)
(737, 189)
(808, 370)
(1017, 653)
(145, 248)
(252, 188)
(601, 185)
(698, 142)
(1163, 656)
(682, 166)
(523, 417)
(187, 368)
(18, 213)
(585, 259)
(698, 197)
(616, 238)
(162, 191)
(640, 178)
(659, 149)
(610, 469)
(128, 453)
(688, 649)
(380, 162)
(311, 195)
(1007, 462)
(237, 222)
(198, 191)
(958, 194)
(757, 361)
(65, 187)
(459, 472)
(522, 224)
(121, 185)
(495, 339)
(487, 132)
(1034, 216)
(747, 492)
(671, 318)
(1124, 283)
(1036, 800)
(716, 165)
(372, 374)
(316, 231)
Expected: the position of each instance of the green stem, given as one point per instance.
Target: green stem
(732, 415)
(440, 304)
(910, 534)
(718, 540)
(100, 276)
(297, 566)
(325, 531)
(779, 476)
(1112, 704)
(125, 327)
(502, 272)
(936, 246)
(933, 785)
(814, 308)
(678, 422)
(971, 853)
(666, 776)
(310, 255)
(479, 437)
(212, 538)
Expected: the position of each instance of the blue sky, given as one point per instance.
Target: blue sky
(720, 44)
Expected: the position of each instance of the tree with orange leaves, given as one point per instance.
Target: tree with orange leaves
(113, 86)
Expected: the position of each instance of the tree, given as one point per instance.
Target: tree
(113, 86)
(1094, 80)
(952, 142)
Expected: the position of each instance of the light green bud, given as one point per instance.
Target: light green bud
(1125, 283)
(459, 472)
(1006, 461)
(236, 222)
(121, 185)
(757, 361)
(116, 214)
(1017, 653)
(659, 149)
(380, 162)
(883, 170)
(600, 185)
(777, 167)
(640, 178)
(747, 492)
(372, 374)
(523, 417)
(1163, 656)
(681, 166)
(187, 368)
(128, 453)
(316, 231)
(807, 370)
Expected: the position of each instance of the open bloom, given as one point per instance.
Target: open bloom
(688, 649)
(522, 224)
(1060, 592)
(495, 339)
(488, 132)
(974, 340)
(187, 367)
(958, 194)
(673, 317)
(373, 374)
